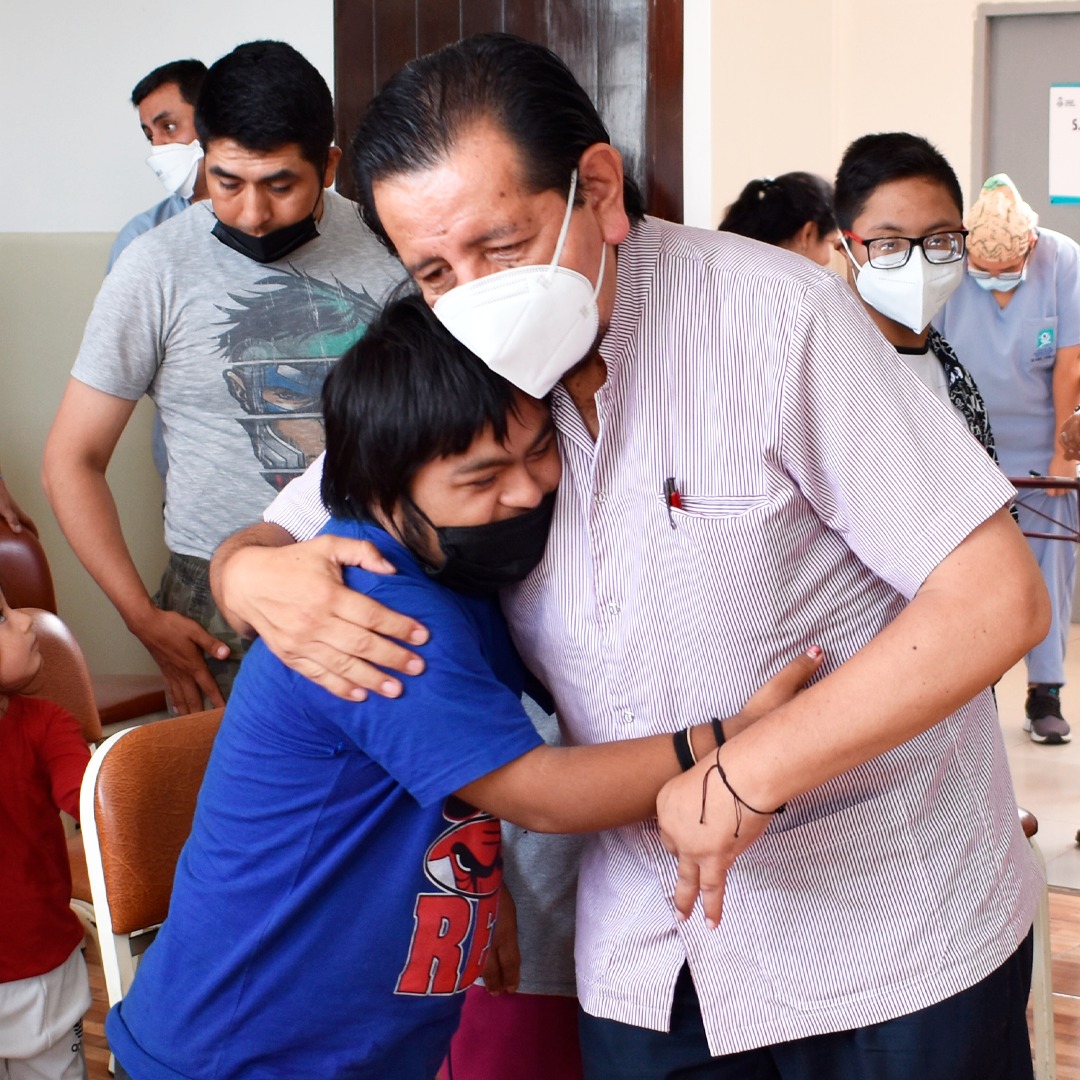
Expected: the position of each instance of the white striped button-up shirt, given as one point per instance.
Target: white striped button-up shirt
(820, 484)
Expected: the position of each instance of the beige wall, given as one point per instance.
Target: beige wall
(47, 286)
(787, 84)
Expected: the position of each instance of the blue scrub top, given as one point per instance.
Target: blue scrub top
(1011, 351)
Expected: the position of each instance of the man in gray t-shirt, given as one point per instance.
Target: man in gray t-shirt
(228, 316)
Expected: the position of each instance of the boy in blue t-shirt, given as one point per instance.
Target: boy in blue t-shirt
(340, 885)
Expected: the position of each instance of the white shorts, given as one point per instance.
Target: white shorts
(41, 1024)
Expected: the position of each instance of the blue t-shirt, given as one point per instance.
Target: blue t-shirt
(144, 222)
(335, 897)
(1011, 351)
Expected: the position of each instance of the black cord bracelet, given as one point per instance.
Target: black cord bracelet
(740, 803)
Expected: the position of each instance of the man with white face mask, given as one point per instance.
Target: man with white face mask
(899, 207)
(726, 494)
(1015, 319)
(165, 100)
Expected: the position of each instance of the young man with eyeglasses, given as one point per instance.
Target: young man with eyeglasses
(900, 210)
(1015, 319)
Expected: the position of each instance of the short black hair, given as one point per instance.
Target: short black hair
(406, 393)
(413, 122)
(187, 74)
(774, 210)
(265, 95)
(873, 160)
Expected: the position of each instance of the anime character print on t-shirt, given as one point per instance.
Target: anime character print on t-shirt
(280, 344)
(453, 927)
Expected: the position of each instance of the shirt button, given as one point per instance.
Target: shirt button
(627, 716)
(613, 608)
(601, 498)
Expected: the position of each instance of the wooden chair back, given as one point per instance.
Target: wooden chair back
(25, 577)
(137, 803)
(64, 676)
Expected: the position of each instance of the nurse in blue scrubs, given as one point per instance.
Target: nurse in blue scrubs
(1015, 320)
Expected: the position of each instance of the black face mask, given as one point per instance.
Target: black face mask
(485, 558)
(271, 247)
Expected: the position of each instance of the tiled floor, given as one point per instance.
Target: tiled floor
(1047, 778)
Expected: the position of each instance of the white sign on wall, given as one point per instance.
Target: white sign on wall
(1064, 143)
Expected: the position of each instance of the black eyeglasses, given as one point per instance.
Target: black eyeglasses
(892, 252)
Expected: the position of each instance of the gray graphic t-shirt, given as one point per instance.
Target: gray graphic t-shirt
(233, 353)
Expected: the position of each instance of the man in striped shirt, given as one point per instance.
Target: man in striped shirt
(745, 469)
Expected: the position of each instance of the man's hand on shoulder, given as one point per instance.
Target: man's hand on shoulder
(292, 595)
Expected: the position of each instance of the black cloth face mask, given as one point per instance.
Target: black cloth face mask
(271, 247)
(482, 559)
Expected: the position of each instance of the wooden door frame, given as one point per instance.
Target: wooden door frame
(662, 178)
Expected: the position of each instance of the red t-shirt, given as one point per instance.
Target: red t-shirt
(42, 759)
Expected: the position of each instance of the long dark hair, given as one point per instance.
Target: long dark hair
(774, 210)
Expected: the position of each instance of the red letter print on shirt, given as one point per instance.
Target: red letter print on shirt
(465, 863)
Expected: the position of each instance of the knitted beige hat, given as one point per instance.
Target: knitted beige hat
(1000, 222)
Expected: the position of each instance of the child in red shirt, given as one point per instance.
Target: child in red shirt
(44, 990)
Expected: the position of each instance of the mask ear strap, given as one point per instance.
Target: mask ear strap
(565, 222)
(600, 275)
(847, 251)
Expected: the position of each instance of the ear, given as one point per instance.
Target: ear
(805, 238)
(600, 180)
(333, 158)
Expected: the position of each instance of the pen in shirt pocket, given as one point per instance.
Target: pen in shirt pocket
(672, 498)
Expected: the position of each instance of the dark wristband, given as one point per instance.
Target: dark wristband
(683, 751)
(718, 732)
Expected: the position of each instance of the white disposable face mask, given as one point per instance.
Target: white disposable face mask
(911, 294)
(993, 284)
(1003, 283)
(176, 166)
(530, 324)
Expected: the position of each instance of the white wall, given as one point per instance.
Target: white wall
(72, 174)
(73, 156)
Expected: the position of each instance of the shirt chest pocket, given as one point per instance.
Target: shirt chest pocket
(713, 508)
(726, 532)
(1039, 340)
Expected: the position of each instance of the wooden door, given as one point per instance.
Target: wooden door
(626, 53)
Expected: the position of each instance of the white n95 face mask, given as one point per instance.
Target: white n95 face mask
(911, 294)
(529, 324)
(176, 165)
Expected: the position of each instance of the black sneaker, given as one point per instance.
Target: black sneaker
(1043, 720)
